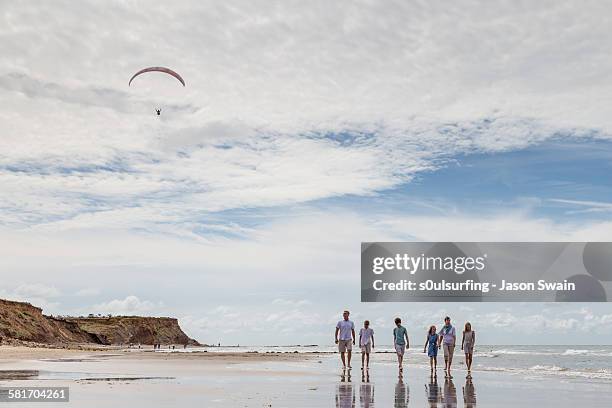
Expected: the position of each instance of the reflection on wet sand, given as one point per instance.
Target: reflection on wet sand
(434, 394)
(469, 394)
(402, 393)
(438, 395)
(366, 391)
(450, 394)
(345, 394)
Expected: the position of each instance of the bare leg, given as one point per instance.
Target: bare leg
(349, 358)
(342, 358)
(362, 359)
(368, 359)
(446, 365)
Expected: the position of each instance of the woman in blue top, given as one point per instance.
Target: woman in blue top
(432, 351)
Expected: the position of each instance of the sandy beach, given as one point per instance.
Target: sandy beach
(139, 378)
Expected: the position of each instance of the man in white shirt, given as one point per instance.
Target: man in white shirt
(447, 338)
(366, 343)
(345, 341)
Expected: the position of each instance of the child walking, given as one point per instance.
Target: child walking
(366, 343)
(467, 345)
(432, 351)
(399, 334)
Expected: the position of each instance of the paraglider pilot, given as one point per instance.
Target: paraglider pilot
(158, 111)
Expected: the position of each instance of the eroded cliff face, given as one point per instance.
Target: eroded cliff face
(24, 322)
(134, 330)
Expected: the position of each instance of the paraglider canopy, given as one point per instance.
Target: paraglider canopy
(158, 69)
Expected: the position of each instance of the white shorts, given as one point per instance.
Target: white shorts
(400, 349)
(366, 348)
(345, 345)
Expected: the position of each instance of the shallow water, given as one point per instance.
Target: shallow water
(591, 362)
(315, 382)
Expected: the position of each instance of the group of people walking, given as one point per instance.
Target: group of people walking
(444, 339)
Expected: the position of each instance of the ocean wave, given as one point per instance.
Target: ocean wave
(548, 368)
(497, 353)
(546, 352)
(572, 352)
(553, 371)
(594, 353)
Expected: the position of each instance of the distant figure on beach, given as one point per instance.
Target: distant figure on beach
(400, 342)
(345, 342)
(366, 343)
(432, 350)
(447, 340)
(467, 345)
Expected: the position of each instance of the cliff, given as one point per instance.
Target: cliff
(134, 329)
(24, 322)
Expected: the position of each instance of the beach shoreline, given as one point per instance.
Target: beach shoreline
(143, 378)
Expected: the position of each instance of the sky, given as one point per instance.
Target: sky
(304, 129)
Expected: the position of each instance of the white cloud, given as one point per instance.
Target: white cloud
(397, 88)
(290, 303)
(131, 305)
(38, 294)
(286, 103)
(86, 292)
(585, 206)
(37, 290)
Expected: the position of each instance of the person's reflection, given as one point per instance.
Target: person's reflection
(433, 392)
(402, 393)
(450, 394)
(469, 394)
(345, 395)
(366, 391)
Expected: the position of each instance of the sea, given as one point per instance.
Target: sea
(579, 362)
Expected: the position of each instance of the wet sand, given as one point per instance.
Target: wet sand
(146, 379)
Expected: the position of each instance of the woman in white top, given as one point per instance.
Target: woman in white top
(467, 345)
